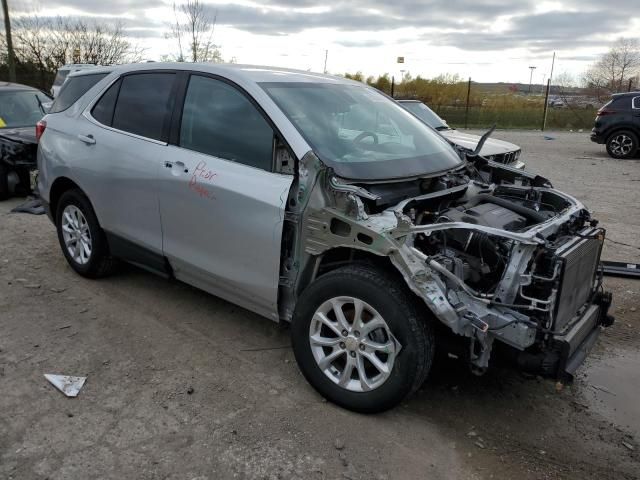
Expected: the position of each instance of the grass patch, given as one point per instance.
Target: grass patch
(521, 117)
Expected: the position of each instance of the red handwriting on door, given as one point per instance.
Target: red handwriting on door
(201, 176)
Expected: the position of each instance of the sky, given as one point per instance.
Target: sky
(487, 40)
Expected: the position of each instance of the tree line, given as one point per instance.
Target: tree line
(617, 70)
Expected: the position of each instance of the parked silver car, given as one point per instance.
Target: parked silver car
(319, 201)
(497, 150)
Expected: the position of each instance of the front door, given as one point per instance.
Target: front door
(221, 206)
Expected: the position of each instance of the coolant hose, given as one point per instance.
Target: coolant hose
(530, 213)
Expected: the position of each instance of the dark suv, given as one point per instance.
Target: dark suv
(618, 125)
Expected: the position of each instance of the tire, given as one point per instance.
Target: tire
(384, 294)
(24, 174)
(4, 182)
(622, 144)
(97, 262)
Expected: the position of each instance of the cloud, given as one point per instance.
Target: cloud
(547, 31)
(470, 25)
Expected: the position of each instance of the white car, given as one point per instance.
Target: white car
(63, 72)
(496, 150)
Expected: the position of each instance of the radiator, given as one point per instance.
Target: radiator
(580, 260)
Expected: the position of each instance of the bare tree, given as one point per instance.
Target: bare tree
(613, 71)
(193, 30)
(42, 45)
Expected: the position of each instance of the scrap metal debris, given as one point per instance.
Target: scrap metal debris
(621, 269)
(67, 384)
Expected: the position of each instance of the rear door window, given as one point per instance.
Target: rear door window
(221, 121)
(73, 89)
(143, 104)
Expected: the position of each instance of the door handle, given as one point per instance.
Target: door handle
(178, 164)
(88, 139)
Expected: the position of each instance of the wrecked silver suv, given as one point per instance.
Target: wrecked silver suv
(321, 202)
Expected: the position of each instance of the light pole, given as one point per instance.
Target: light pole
(7, 28)
(531, 77)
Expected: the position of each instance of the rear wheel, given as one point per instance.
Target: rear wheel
(622, 144)
(82, 240)
(4, 182)
(361, 340)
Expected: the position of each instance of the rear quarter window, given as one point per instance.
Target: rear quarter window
(621, 103)
(73, 89)
(103, 109)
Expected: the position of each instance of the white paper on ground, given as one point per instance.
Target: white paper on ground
(67, 384)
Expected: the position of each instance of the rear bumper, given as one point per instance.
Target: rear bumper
(597, 137)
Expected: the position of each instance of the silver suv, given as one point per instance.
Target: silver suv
(319, 201)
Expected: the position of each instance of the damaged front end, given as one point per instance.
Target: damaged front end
(18, 147)
(495, 253)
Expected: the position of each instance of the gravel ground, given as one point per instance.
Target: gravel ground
(182, 385)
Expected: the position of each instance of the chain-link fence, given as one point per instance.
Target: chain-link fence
(480, 105)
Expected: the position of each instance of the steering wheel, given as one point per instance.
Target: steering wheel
(364, 135)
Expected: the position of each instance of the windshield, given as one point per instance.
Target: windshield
(425, 114)
(361, 133)
(21, 109)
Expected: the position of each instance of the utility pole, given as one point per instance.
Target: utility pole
(7, 28)
(466, 110)
(326, 55)
(531, 77)
(546, 105)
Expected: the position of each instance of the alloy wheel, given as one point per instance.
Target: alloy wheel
(76, 234)
(621, 144)
(352, 344)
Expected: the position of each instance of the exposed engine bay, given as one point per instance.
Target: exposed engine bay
(495, 253)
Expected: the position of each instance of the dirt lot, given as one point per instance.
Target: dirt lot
(182, 385)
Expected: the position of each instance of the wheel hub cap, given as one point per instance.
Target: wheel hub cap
(76, 234)
(352, 344)
(621, 145)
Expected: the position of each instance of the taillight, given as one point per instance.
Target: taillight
(40, 128)
(602, 113)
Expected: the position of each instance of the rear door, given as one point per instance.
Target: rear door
(636, 113)
(123, 139)
(222, 206)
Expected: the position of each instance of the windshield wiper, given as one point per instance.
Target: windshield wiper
(442, 127)
(40, 105)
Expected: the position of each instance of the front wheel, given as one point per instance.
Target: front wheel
(360, 339)
(622, 144)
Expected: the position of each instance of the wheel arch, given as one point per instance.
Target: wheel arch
(337, 257)
(58, 188)
(621, 128)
